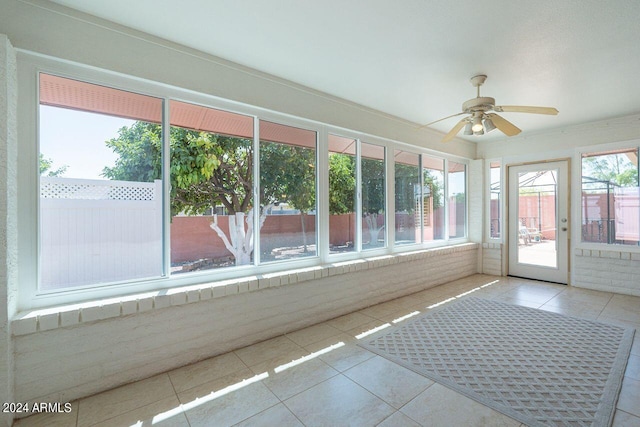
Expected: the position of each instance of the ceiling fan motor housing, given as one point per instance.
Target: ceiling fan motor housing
(483, 103)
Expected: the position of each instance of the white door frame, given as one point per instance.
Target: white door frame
(560, 273)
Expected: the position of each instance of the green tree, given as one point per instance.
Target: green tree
(46, 167)
(288, 174)
(342, 183)
(617, 168)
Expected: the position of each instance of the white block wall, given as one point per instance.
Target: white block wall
(8, 215)
(492, 258)
(609, 271)
(55, 362)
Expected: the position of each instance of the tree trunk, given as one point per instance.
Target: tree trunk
(304, 232)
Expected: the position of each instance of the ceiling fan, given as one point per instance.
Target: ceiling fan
(482, 120)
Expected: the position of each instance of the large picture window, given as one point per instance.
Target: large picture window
(287, 192)
(457, 180)
(100, 209)
(149, 188)
(342, 194)
(373, 196)
(211, 169)
(433, 198)
(611, 197)
(408, 197)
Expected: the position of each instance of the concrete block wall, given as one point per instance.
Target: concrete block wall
(8, 215)
(67, 355)
(492, 258)
(609, 271)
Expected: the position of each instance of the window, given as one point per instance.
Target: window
(495, 224)
(342, 194)
(143, 187)
(287, 192)
(457, 182)
(433, 198)
(373, 196)
(100, 210)
(211, 195)
(408, 197)
(611, 197)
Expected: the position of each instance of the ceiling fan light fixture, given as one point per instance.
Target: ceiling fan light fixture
(479, 132)
(477, 124)
(488, 125)
(467, 129)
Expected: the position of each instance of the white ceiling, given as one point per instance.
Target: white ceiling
(413, 58)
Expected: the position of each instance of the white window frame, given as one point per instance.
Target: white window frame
(29, 67)
(577, 195)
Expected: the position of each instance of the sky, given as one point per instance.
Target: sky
(76, 139)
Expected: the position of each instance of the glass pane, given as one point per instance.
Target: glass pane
(287, 192)
(457, 199)
(211, 188)
(537, 207)
(408, 196)
(342, 194)
(373, 196)
(611, 198)
(433, 198)
(494, 192)
(100, 184)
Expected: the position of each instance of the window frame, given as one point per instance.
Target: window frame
(577, 211)
(30, 65)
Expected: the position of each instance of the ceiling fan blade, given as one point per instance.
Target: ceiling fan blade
(524, 109)
(439, 120)
(504, 125)
(453, 132)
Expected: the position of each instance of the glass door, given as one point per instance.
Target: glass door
(538, 221)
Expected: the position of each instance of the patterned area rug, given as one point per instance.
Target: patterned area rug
(538, 367)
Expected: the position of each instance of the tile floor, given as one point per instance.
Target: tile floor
(318, 376)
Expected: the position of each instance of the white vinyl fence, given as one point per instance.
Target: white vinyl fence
(98, 231)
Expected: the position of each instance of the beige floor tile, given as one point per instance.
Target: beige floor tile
(278, 415)
(573, 293)
(629, 397)
(349, 321)
(398, 419)
(383, 309)
(164, 413)
(440, 406)
(624, 419)
(50, 419)
(297, 378)
(533, 294)
(573, 311)
(635, 348)
(340, 352)
(207, 370)
(267, 350)
(219, 386)
(368, 328)
(229, 408)
(517, 301)
(623, 312)
(633, 368)
(338, 402)
(389, 381)
(101, 407)
(313, 334)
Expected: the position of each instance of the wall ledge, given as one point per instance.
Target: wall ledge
(40, 320)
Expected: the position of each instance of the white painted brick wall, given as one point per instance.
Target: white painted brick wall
(607, 270)
(8, 215)
(66, 363)
(492, 258)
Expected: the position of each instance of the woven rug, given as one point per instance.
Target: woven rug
(538, 367)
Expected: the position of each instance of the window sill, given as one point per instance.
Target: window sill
(40, 320)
